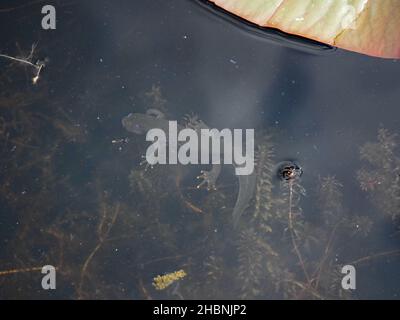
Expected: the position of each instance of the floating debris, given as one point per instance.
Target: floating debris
(162, 282)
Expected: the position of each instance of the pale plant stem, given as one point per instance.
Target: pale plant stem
(20, 60)
(292, 235)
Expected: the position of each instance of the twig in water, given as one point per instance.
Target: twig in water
(103, 231)
(14, 271)
(38, 65)
(374, 256)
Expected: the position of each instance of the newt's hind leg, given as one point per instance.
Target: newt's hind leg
(210, 177)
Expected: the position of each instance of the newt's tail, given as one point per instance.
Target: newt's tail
(247, 185)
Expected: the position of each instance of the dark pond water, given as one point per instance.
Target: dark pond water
(74, 195)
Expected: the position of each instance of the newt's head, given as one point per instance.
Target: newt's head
(138, 123)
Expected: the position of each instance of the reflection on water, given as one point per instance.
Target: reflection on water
(74, 195)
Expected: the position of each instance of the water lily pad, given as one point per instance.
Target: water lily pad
(367, 26)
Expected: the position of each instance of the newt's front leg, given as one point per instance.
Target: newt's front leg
(209, 177)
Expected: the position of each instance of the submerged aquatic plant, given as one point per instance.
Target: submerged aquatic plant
(380, 175)
(264, 171)
(155, 99)
(251, 265)
(330, 199)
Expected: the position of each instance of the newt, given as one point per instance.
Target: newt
(141, 123)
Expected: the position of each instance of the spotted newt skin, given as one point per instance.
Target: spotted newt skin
(141, 123)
